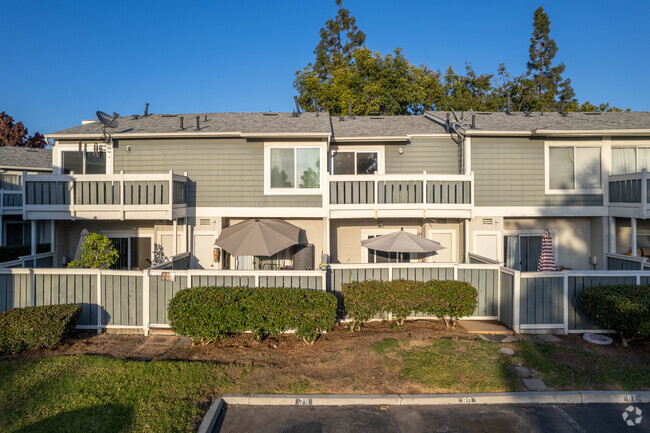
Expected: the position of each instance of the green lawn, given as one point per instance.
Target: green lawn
(98, 394)
(101, 394)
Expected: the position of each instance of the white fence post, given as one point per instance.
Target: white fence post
(145, 302)
(99, 302)
(33, 284)
(516, 297)
(455, 271)
(566, 303)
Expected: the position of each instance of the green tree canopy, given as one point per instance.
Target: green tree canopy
(347, 71)
(97, 252)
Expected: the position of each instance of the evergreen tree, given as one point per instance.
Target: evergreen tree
(338, 39)
(547, 78)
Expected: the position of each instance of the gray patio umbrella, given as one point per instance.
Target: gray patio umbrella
(258, 237)
(402, 242)
(82, 238)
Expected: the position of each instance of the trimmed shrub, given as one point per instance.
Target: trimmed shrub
(625, 309)
(10, 253)
(401, 298)
(36, 327)
(453, 299)
(209, 313)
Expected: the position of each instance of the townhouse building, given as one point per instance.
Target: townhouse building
(486, 184)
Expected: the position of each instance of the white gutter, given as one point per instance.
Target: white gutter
(187, 135)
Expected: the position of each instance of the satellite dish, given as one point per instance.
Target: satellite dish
(108, 120)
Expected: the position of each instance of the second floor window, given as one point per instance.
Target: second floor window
(630, 159)
(355, 163)
(295, 168)
(85, 162)
(574, 168)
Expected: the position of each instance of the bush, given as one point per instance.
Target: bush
(210, 313)
(625, 309)
(12, 252)
(401, 298)
(36, 327)
(97, 252)
(453, 299)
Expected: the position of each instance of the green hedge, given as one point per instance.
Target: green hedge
(210, 313)
(9, 253)
(36, 327)
(401, 298)
(625, 309)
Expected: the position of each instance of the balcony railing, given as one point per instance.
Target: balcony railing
(113, 196)
(387, 191)
(628, 194)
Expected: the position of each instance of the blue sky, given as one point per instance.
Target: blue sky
(63, 60)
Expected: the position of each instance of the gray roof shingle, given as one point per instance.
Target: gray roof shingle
(518, 121)
(245, 123)
(382, 126)
(24, 157)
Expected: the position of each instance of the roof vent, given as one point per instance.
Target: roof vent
(594, 113)
(376, 117)
(269, 114)
(198, 123)
(169, 115)
(527, 113)
(180, 119)
(146, 109)
(136, 117)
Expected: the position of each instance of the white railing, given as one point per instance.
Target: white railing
(22, 261)
(11, 201)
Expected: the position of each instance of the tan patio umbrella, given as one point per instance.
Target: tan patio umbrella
(258, 237)
(402, 242)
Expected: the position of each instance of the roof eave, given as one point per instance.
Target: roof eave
(196, 134)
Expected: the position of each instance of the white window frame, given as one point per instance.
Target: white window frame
(295, 190)
(129, 235)
(636, 147)
(574, 145)
(381, 232)
(61, 148)
(529, 233)
(358, 149)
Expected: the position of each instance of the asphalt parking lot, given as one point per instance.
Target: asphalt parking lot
(569, 418)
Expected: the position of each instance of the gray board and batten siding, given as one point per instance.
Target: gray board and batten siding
(510, 172)
(433, 155)
(222, 172)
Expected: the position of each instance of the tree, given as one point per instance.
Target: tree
(339, 38)
(97, 252)
(15, 134)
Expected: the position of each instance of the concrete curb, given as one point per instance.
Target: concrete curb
(565, 397)
(210, 418)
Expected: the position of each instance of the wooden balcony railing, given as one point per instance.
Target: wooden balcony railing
(387, 191)
(111, 196)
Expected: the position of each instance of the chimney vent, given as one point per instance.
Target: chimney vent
(508, 108)
(198, 123)
(181, 122)
(473, 121)
(146, 109)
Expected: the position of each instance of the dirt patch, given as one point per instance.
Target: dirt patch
(637, 353)
(88, 343)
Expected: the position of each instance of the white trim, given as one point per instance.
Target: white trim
(268, 146)
(69, 147)
(542, 326)
(188, 134)
(541, 211)
(372, 138)
(251, 212)
(574, 145)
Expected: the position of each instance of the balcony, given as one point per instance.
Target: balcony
(388, 195)
(628, 195)
(105, 197)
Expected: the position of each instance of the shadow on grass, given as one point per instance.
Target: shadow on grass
(108, 418)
